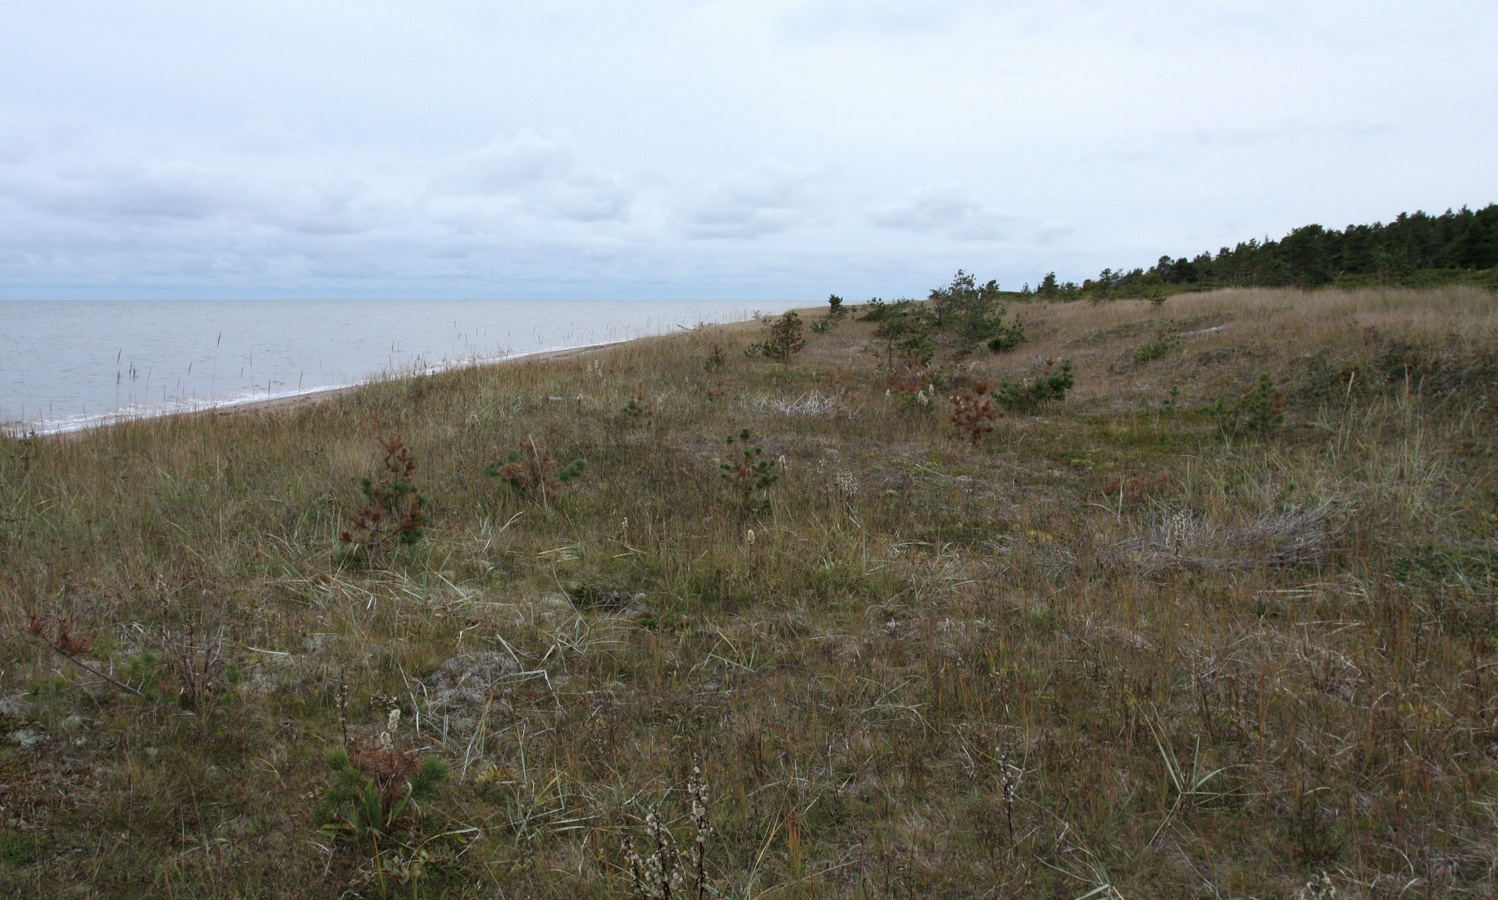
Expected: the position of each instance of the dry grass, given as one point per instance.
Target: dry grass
(1104, 651)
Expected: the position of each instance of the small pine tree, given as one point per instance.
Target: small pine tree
(974, 413)
(1031, 394)
(391, 515)
(746, 470)
(785, 339)
(534, 473)
(1261, 409)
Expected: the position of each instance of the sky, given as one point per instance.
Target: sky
(762, 149)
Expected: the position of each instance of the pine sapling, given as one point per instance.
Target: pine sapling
(639, 409)
(375, 784)
(1166, 340)
(785, 339)
(747, 472)
(391, 515)
(1033, 393)
(1259, 410)
(974, 413)
(533, 473)
(715, 360)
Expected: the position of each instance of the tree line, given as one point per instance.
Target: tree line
(1414, 248)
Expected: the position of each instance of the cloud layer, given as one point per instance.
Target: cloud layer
(772, 149)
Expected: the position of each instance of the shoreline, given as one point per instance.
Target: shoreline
(323, 395)
(148, 371)
(300, 400)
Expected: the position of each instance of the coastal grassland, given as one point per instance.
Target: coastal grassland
(1124, 646)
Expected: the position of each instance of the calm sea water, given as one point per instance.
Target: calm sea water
(66, 365)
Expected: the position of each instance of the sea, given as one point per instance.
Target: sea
(70, 365)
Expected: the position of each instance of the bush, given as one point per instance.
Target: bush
(1166, 340)
(973, 413)
(968, 315)
(1257, 411)
(906, 329)
(391, 515)
(785, 339)
(1031, 394)
(748, 473)
(534, 473)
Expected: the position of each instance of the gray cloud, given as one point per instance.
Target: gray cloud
(154, 195)
(332, 205)
(542, 176)
(172, 190)
(766, 198)
(946, 210)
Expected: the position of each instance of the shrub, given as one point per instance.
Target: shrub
(1166, 340)
(747, 472)
(193, 651)
(375, 786)
(638, 410)
(391, 515)
(973, 413)
(968, 315)
(715, 360)
(785, 339)
(1259, 410)
(534, 473)
(1031, 394)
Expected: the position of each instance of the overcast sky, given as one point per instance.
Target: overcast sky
(764, 149)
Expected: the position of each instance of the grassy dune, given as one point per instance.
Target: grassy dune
(1109, 649)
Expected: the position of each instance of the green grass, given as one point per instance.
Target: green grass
(1105, 650)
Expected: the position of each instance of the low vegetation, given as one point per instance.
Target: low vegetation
(1216, 618)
